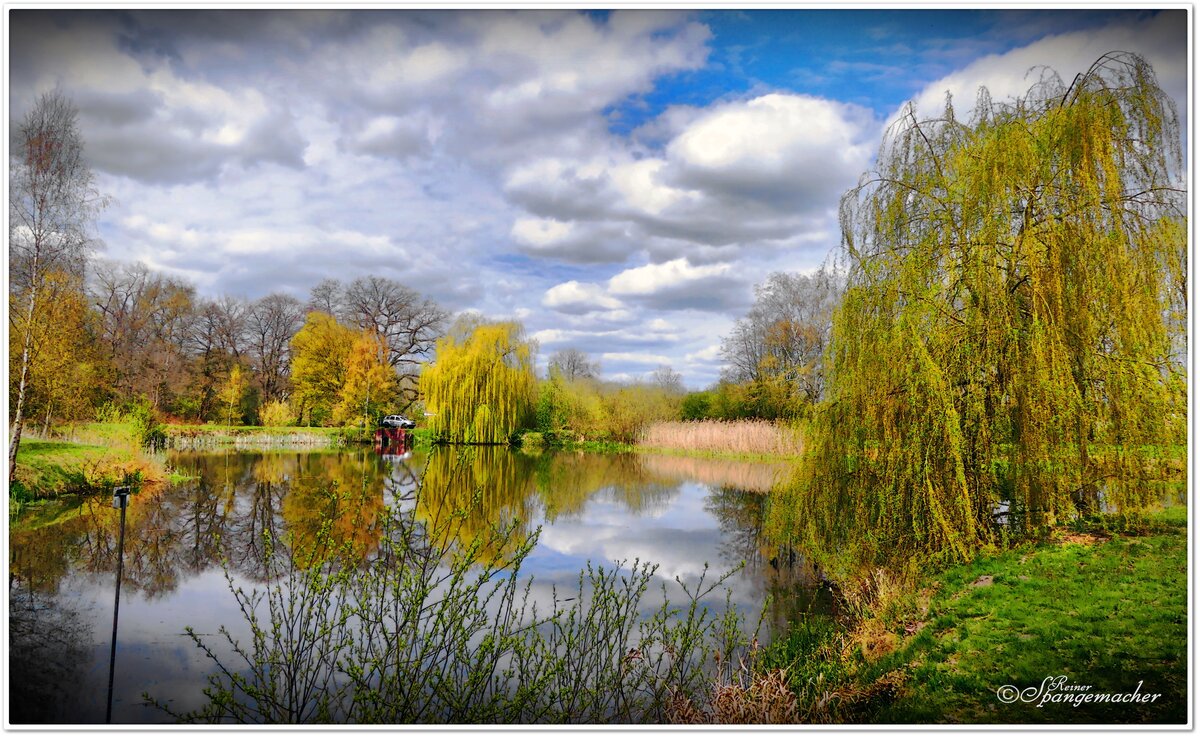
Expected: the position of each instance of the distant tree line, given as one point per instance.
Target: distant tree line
(774, 354)
(87, 333)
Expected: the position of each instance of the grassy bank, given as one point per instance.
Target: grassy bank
(1106, 611)
(51, 468)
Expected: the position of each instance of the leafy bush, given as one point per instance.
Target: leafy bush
(147, 429)
(589, 410)
(278, 414)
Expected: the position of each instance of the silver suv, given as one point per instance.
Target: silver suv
(398, 421)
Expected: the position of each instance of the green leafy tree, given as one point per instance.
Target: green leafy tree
(1007, 334)
(481, 388)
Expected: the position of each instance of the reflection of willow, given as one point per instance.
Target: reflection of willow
(468, 492)
(565, 481)
(792, 581)
(47, 656)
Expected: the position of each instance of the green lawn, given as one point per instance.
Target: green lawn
(48, 468)
(1106, 612)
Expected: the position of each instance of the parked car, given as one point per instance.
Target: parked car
(398, 421)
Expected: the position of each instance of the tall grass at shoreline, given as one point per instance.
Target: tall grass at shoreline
(757, 437)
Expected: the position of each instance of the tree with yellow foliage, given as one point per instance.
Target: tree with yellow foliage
(66, 373)
(370, 384)
(231, 394)
(320, 353)
(481, 387)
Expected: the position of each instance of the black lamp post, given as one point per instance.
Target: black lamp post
(120, 501)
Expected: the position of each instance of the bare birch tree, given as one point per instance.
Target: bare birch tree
(52, 205)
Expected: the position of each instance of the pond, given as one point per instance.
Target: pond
(187, 544)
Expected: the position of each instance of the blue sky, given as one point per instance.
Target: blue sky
(618, 181)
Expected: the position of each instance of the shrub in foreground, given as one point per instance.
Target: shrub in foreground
(433, 632)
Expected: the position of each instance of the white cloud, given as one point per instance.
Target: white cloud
(654, 278)
(1161, 39)
(418, 67)
(540, 232)
(785, 149)
(573, 296)
(646, 358)
(711, 354)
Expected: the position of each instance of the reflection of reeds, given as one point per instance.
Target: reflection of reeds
(249, 440)
(740, 436)
(744, 475)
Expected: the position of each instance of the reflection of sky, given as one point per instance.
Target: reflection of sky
(154, 654)
(680, 539)
(663, 524)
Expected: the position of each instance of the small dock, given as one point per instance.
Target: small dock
(395, 439)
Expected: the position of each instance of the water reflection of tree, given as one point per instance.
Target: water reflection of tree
(236, 501)
(565, 482)
(233, 503)
(467, 492)
(793, 582)
(48, 645)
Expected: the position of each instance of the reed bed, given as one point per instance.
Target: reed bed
(758, 437)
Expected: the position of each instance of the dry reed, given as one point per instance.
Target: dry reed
(741, 436)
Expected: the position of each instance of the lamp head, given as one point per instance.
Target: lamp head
(120, 497)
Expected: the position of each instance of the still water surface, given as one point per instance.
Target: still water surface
(183, 540)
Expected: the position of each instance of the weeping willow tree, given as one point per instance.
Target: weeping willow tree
(1009, 344)
(482, 387)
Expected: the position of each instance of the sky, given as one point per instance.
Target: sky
(617, 181)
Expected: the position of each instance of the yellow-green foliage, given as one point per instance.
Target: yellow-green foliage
(587, 409)
(468, 492)
(277, 413)
(320, 352)
(1010, 329)
(481, 387)
(67, 371)
(370, 384)
(231, 395)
